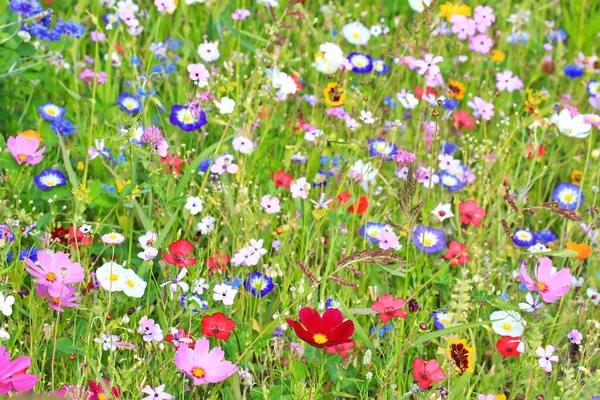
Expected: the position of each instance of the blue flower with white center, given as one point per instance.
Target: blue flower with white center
(6, 233)
(321, 178)
(51, 112)
(523, 238)
(129, 103)
(361, 63)
(63, 126)
(381, 148)
(545, 236)
(193, 303)
(429, 240)
(110, 20)
(184, 118)
(258, 284)
(49, 179)
(380, 67)
(593, 87)
(331, 303)
(440, 319)
(450, 182)
(370, 230)
(568, 195)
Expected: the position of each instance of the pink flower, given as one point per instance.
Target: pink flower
(270, 204)
(224, 164)
(471, 213)
(484, 17)
(389, 307)
(240, 14)
(202, 365)
(66, 299)
(387, 239)
(55, 271)
(88, 76)
(12, 373)
(462, 26)
(150, 330)
(428, 64)
(158, 393)
(506, 81)
(97, 36)
(165, 6)
(575, 336)
(546, 357)
(482, 108)
(198, 72)
(551, 285)
(481, 44)
(405, 157)
(486, 397)
(25, 150)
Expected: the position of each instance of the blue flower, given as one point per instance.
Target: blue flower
(193, 303)
(184, 118)
(42, 32)
(110, 188)
(135, 60)
(573, 71)
(321, 178)
(51, 112)
(429, 240)
(336, 160)
(258, 284)
(450, 182)
(129, 103)
(323, 160)
(235, 283)
(110, 19)
(204, 165)
(450, 104)
(523, 238)
(593, 88)
(380, 67)
(6, 233)
(72, 28)
(545, 236)
(504, 296)
(63, 127)
(382, 331)
(558, 35)
(449, 148)
(440, 319)
(278, 332)
(387, 100)
(49, 179)
(361, 63)
(568, 195)
(331, 303)
(370, 230)
(29, 8)
(30, 252)
(381, 148)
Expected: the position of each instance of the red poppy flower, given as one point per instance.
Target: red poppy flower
(171, 164)
(507, 346)
(218, 262)
(97, 392)
(457, 252)
(419, 92)
(471, 213)
(77, 237)
(179, 336)
(462, 119)
(282, 179)
(217, 325)
(426, 374)
(179, 250)
(344, 197)
(341, 349)
(322, 331)
(361, 205)
(541, 151)
(389, 307)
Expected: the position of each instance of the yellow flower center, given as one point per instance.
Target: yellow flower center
(356, 35)
(187, 118)
(568, 197)
(130, 283)
(427, 242)
(50, 276)
(52, 111)
(542, 286)
(113, 277)
(55, 300)
(21, 157)
(507, 326)
(319, 338)
(198, 372)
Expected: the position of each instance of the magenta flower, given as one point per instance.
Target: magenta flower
(551, 285)
(12, 373)
(482, 108)
(202, 365)
(240, 14)
(428, 64)
(55, 271)
(462, 26)
(481, 44)
(25, 150)
(58, 303)
(506, 81)
(484, 17)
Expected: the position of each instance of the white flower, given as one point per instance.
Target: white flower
(363, 172)
(206, 225)
(443, 211)
(311, 136)
(242, 144)
(546, 357)
(178, 282)
(330, 58)
(367, 117)
(6, 303)
(356, 33)
(447, 162)
(224, 293)
(148, 254)
(4, 335)
(593, 295)
(111, 276)
(109, 342)
(531, 304)
(508, 323)
(283, 82)
(194, 204)
(419, 5)
(376, 30)
(113, 238)
(300, 188)
(571, 126)
(148, 239)
(538, 248)
(408, 101)
(209, 51)
(134, 285)
(269, 3)
(199, 286)
(226, 105)
(159, 391)
(194, 1)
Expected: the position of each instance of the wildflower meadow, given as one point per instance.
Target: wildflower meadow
(300, 199)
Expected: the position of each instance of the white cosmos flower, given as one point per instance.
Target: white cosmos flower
(329, 59)
(111, 276)
(409, 101)
(419, 5)
(356, 33)
(531, 304)
(226, 105)
(148, 239)
(508, 323)
(206, 225)
(283, 82)
(224, 293)
(242, 144)
(572, 126)
(134, 285)
(178, 282)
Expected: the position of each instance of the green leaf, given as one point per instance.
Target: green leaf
(436, 334)
(392, 271)
(65, 345)
(358, 330)
(461, 382)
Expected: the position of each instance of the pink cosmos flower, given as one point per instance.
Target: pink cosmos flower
(428, 64)
(387, 239)
(55, 271)
(25, 150)
(551, 285)
(270, 204)
(198, 72)
(484, 17)
(482, 108)
(150, 330)
(240, 14)
(462, 26)
(547, 357)
(58, 303)
(481, 44)
(506, 81)
(389, 307)
(224, 164)
(12, 373)
(202, 365)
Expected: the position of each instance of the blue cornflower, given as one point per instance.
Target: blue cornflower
(30, 252)
(51, 112)
(450, 104)
(449, 148)
(49, 179)
(29, 8)
(331, 303)
(129, 103)
(545, 236)
(361, 63)
(235, 283)
(523, 238)
(63, 127)
(568, 195)
(204, 165)
(72, 28)
(42, 32)
(258, 284)
(573, 71)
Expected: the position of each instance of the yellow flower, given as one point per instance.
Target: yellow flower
(576, 176)
(31, 134)
(122, 184)
(455, 89)
(498, 56)
(82, 194)
(80, 166)
(500, 397)
(334, 94)
(449, 8)
(461, 354)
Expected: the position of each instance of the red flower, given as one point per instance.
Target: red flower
(389, 307)
(507, 346)
(297, 80)
(361, 205)
(457, 252)
(541, 151)
(217, 325)
(471, 213)
(282, 179)
(462, 119)
(78, 237)
(322, 331)
(119, 49)
(342, 349)
(60, 234)
(419, 91)
(97, 390)
(179, 336)
(179, 250)
(428, 373)
(171, 164)
(218, 262)
(344, 197)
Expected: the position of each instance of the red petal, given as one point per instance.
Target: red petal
(342, 333)
(181, 246)
(311, 319)
(331, 319)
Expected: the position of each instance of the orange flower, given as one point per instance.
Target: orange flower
(583, 250)
(31, 134)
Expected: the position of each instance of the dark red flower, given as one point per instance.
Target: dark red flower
(322, 331)
(217, 325)
(428, 373)
(60, 234)
(97, 391)
(419, 92)
(218, 262)
(171, 164)
(507, 346)
(179, 250)
(462, 119)
(179, 336)
(471, 213)
(282, 179)
(457, 252)
(341, 349)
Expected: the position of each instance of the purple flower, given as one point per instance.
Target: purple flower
(429, 240)
(506, 81)
(482, 108)
(481, 44)
(575, 336)
(484, 17)
(240, 14)
(462, 26)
